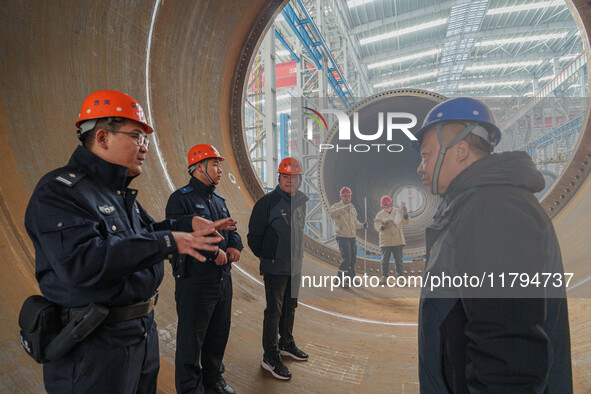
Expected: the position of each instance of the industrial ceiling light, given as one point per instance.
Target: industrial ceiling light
(406, 30)
(355, 3)
(484, 67)
(476, 85)
(407, 79)
(403, 59)
(525, 7)
(521, 39)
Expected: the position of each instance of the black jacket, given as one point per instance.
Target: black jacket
(197, 199)
(494, 338)
(93, 241)
(276, 232)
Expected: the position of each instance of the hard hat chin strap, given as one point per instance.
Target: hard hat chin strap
(206, 174)
(443, 150)
(437, 170)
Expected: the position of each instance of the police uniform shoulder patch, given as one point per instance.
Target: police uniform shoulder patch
(71, 177)
(186, 189)
(220, 196)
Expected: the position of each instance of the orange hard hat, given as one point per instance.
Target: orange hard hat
(345, 191)
(290, 166)
(202, 152)
(386, 201)
(111, 103)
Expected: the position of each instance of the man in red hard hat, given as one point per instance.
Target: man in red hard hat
(203, 289)
(388, 223)
(95, 244)
(275, 235)
(344, 215)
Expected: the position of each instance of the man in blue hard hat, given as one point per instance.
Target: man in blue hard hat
(486, 335)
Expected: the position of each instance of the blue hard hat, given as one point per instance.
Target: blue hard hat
(460, 109)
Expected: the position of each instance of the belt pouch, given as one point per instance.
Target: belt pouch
(78, 328)
(40, 322)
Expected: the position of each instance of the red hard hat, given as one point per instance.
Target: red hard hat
(290, 166)
(345, 191)
(386, 201)
(111, 103)
(202, 152)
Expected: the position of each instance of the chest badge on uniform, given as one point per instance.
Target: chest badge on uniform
(199, 206)
(106, 209)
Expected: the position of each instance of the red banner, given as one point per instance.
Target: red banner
(285, 74)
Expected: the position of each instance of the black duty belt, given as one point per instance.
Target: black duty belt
(118, 313)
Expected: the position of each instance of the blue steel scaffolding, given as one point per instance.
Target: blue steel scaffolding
(310, 37)
(283, 135)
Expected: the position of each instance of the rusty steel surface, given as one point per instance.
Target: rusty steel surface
(186, 62)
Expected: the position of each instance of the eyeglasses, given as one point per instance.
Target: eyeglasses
(141, 139)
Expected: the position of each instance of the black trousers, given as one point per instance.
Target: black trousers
(204, 312)
(397, 252)
(280, 311)
(116, 358)
(348, 249)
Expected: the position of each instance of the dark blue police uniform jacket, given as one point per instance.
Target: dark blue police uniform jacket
(93, 241)
(198, 199)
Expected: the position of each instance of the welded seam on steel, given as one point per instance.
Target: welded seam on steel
(149, 107)
(578, 284)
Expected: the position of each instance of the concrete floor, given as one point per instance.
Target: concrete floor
(181, 58)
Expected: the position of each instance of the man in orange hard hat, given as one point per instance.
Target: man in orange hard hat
(344, 215)
(96, 246)
(203, 289)
(275, 235)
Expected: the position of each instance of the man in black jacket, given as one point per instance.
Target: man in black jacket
(486, 334)
(94, 243)
(203, 289)
(275, 235)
